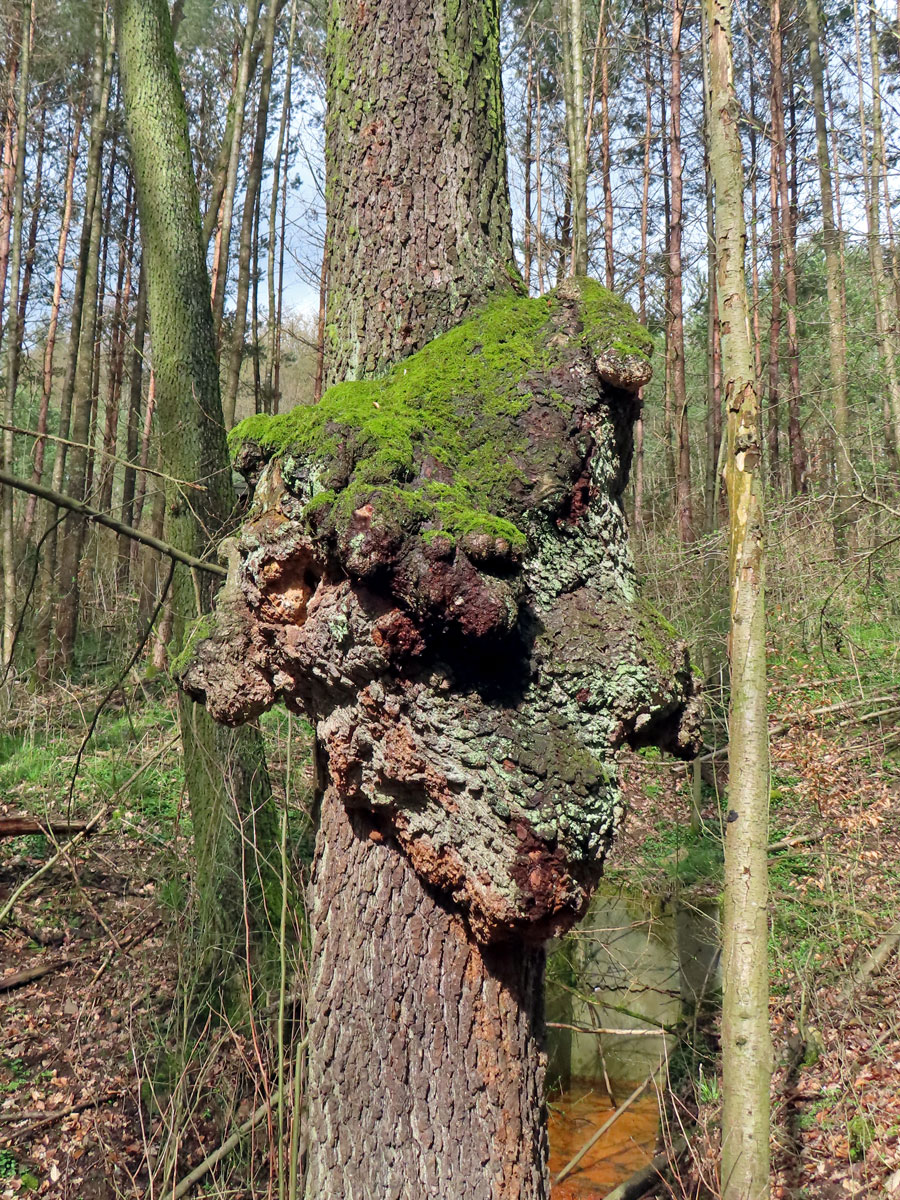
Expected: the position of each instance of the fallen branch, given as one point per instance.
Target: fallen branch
(20, 978)
(607, 1124)
(640, 1183)
(612, 1032)
(100, 816)
(872, 964)
(39, 1119)
(59, 500)
(803, 839)
(20, 826)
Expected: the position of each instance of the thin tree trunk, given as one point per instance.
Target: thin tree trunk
(606, 149)
(713, 388)
(273, 321)
(36, 214)
(789, 251)
(837, 345)
(885, 310)
(100, 88)
(675, 331)
(251, 194)
(746, 1045)
(529, 136)
(135, 395)
(571, 31)
(77, 460)
(773, 403)
(638, 484)
(13, 339)
(239, 100)
(116, 366)
(50, 343)
(668, 422)
(238, 873)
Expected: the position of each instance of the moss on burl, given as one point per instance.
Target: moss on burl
(461, 439)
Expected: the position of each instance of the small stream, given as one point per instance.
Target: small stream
(635, 963)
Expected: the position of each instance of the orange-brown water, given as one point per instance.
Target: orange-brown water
(576, 1114)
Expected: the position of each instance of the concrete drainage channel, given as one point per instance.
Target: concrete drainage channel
(639, 969)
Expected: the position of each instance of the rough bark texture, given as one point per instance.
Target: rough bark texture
(419, 224)
(436, 570)
(440, 1100)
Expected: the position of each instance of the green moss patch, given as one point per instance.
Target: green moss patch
(439, 442)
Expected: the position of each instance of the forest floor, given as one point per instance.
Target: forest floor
(102, 1090)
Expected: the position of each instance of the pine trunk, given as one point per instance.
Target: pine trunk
(13, 340)
(837, 344)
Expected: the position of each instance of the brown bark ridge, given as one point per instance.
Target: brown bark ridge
(419, 226)
(427, 1130)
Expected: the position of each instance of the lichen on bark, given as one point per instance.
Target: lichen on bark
(435, 568)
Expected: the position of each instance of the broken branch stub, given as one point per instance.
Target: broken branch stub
(435, 569)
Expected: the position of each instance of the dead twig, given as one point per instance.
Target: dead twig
(640, 1183)
(39, 1119)
(102, 815)
(607, 1124)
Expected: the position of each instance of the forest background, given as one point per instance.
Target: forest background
(87, 619)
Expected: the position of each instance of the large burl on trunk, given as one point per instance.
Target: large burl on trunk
(434, 568)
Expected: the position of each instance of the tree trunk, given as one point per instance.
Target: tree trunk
(746, 1047)
(132, 429)
(50, 343)
(100, 87)
(82, 409)
(571, 31)
(362, 1145)
(773, 402)
(675, 325)
(235, 825)
(426, 1071)
(251, 194)
(382, 311)
(238, 101)
(837, 344)
(273, 321)
(13, 340)
(789, 251)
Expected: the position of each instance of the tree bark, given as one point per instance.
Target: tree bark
(426, 1070)
(746, 1047)
(675, 324)
(13, 340)
(382, 311)
(797, 450)
(837, 344)
(235, 826)
(251, 195)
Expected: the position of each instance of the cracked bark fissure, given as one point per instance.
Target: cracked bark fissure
(434, 568)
